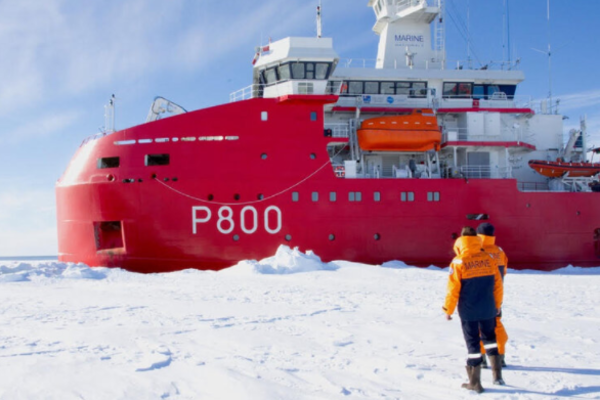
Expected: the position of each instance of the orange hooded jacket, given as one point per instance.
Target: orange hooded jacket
(475, 283)
(489, 245)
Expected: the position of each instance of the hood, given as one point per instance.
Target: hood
(487, 240)
(466, 244)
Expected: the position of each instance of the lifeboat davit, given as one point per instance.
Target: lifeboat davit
(557, 169)
(417, 131)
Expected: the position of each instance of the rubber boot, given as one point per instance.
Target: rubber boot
(474, 374)
(502, 361)
(496, 365)
(484, 364)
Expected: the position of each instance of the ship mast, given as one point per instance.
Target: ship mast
(549, 54)
(319, 21)
(109, 115)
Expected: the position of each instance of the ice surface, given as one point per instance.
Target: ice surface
(286, 327)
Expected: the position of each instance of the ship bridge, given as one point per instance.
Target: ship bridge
(294, 65)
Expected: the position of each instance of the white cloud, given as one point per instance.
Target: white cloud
(38, 128)
(575, 101)
(69, 47)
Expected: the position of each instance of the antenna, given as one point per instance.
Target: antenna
(549, 54)
(319, 22)
(109, 115)
(469, 33)
(508, 33)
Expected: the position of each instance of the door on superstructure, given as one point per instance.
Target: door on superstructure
(478, 164)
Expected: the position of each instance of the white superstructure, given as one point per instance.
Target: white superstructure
(488, 131)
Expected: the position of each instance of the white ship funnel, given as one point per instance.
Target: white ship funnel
(404, 27)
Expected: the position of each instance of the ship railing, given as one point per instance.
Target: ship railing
(249, 92)
(341, 130)
(383, 100)
(484, 172)
(281, 88)
(94, 137)
(497, 100)
(400, 63)
(508, 134)
(534, 187)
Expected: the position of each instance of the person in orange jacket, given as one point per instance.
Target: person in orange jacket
(485, 231)
(475, 287)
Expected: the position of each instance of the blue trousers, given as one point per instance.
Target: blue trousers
(476, 332)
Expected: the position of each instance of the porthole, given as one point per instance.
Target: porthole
(578, 213)
(454, 236)
(331, 236)
(288, 237)
(236, 237)
(210, 197)
(313, 156)
(377, 236)
(153, 176)
(236, 197)
(260, 196)
(263, 156)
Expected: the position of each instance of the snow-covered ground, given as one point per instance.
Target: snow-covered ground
(287, 327)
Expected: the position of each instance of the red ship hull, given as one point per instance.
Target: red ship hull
(220, 201)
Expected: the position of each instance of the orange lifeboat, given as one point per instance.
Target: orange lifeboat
(557, 169)
(418, 131)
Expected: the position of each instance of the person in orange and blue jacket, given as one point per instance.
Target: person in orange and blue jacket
(475, 286)
(485, 231)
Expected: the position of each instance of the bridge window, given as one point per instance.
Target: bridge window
(271, 76)
(419, 89)
(371, 87)
(295, 196)
(315, 196)
(377, 196)
(458, 89)
(322, 71)
(284, 72)
(387, 88)
(403, 88)
(355, 88)
(478, 92)
(332, 196)
(298, 71)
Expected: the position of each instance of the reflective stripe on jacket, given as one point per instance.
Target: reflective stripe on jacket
(489, 245)
(475, 283)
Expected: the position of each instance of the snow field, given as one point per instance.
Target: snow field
(287, 327)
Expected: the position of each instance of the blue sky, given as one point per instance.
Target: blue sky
(60, 60)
